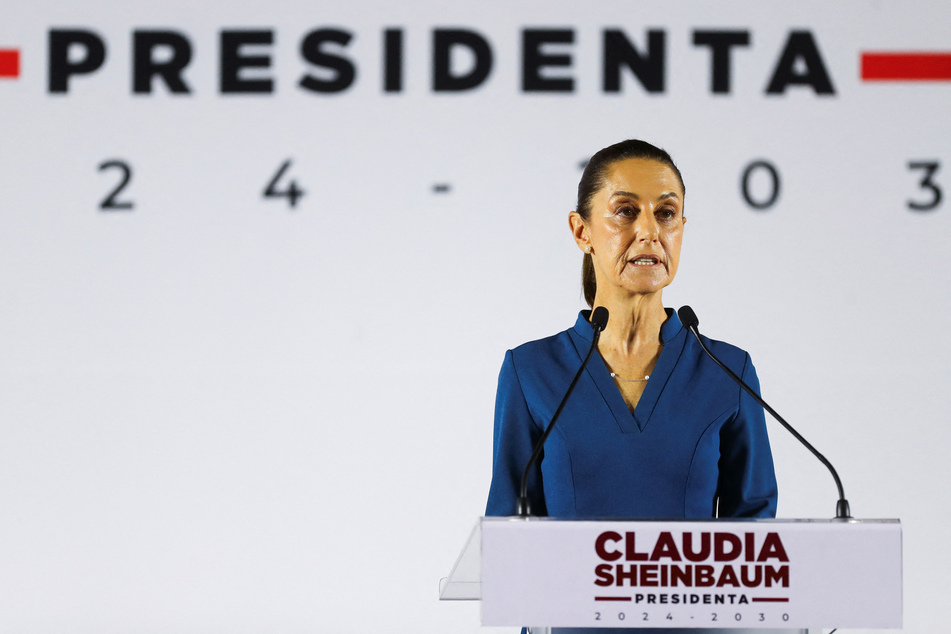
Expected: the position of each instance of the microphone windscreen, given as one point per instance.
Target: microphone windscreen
(599, 318)
(687, 317)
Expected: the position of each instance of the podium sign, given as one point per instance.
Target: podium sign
(690, 574)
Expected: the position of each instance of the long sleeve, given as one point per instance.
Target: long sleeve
(514, 436)
(747, 482)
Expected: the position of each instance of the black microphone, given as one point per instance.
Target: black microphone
(599, 320)
(689, 319)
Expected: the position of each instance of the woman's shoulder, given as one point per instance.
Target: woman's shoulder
(724, 348)
(552, 353)
(539, 364)
(735, 357)
(546, 348)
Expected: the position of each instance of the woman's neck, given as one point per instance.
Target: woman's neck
(634, 322)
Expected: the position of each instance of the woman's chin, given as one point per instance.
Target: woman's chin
(644, 284)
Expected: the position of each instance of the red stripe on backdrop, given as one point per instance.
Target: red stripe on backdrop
(906, 66)
(9, 63)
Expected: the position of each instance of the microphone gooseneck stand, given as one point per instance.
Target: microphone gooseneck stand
(689, 319)
(599, 319)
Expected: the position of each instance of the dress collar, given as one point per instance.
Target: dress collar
(632, 422)
(668, 330)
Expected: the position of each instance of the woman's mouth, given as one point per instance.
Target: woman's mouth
(645, 260)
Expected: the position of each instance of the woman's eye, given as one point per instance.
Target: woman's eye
(667, 214)
(627, 212)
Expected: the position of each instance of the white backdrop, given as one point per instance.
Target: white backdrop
(220, 413)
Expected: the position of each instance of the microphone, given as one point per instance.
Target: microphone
(689, 319)
(599, 321)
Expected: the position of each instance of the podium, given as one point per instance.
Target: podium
(700, 575)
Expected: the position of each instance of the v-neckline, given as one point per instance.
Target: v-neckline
(632, 422)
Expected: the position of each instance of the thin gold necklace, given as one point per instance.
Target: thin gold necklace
(615, 376)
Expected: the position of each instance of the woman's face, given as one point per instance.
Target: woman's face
(635, 228)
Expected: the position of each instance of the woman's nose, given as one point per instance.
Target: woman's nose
(646, 227)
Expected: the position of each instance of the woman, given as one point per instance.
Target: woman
(653, 428)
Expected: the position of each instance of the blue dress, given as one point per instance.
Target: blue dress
(694, 447)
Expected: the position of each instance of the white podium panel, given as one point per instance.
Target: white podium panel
(685, 574)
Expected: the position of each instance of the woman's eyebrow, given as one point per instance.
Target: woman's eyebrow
(663, 196)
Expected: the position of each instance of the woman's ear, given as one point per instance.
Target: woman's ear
(579, 231)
